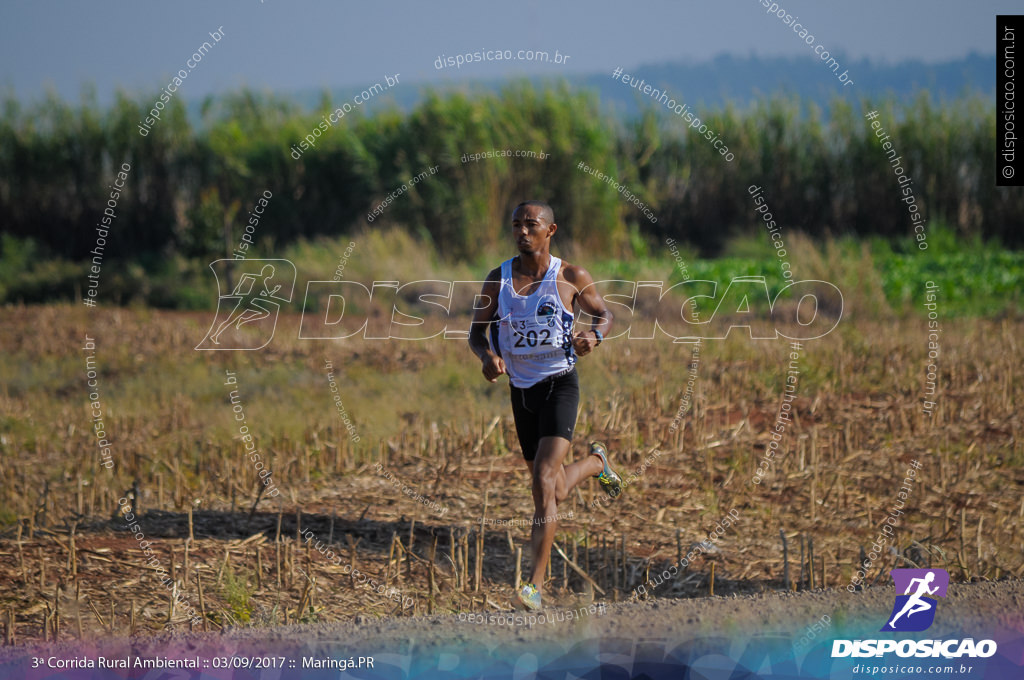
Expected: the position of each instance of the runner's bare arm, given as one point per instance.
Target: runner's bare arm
(493, 365)
(592, 303)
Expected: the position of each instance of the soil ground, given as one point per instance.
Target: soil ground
(655, 629)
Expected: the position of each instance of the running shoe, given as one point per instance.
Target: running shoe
(528, 597)
(610, 482)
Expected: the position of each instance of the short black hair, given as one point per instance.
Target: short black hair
(545, 210)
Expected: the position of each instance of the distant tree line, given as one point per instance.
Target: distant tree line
(192, 184)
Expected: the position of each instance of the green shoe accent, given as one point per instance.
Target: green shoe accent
(609, 481)
(528, 597)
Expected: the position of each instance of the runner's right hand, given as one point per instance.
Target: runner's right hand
(493, 366)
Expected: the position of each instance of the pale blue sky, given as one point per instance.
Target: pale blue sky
(288, 45)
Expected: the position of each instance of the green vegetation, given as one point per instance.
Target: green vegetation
(236, 591)
(191, 188)
(974, 279)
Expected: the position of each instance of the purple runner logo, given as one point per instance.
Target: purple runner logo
(254, 302)
(914, 610)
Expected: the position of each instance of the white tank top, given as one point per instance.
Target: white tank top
(534, 332)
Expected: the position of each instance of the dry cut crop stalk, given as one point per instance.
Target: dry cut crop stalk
(856, 427)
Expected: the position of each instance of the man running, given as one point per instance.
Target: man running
(915, 603)
(250, 307)
(529, 310)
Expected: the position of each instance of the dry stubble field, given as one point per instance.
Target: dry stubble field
(70, 568)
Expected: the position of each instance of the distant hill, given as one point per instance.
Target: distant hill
(742, 81)
(745, 80)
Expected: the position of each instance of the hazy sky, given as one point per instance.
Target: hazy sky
(289, 45)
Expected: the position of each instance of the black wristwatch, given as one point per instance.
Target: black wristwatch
(597, 334)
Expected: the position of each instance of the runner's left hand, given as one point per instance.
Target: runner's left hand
(584, 342)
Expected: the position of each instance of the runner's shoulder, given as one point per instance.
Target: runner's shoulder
(575, 274)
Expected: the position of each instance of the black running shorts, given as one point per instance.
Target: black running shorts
(547, 409)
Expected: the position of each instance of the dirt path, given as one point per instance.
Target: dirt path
(657, 635)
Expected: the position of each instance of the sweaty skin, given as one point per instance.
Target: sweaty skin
(532, 229)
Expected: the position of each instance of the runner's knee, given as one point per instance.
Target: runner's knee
(545, 484)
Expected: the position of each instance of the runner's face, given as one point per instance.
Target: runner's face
(529, 229)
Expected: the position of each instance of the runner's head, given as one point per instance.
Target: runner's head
(533, 225)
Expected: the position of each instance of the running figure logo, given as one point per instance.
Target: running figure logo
(255, 302)
(914, 610)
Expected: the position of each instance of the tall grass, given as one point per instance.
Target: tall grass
(191, 186)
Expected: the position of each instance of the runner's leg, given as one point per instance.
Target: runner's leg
(906, 607)
(548, 473)
(919, 607)
(571, 475)
(552, 482)
(574, 473)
